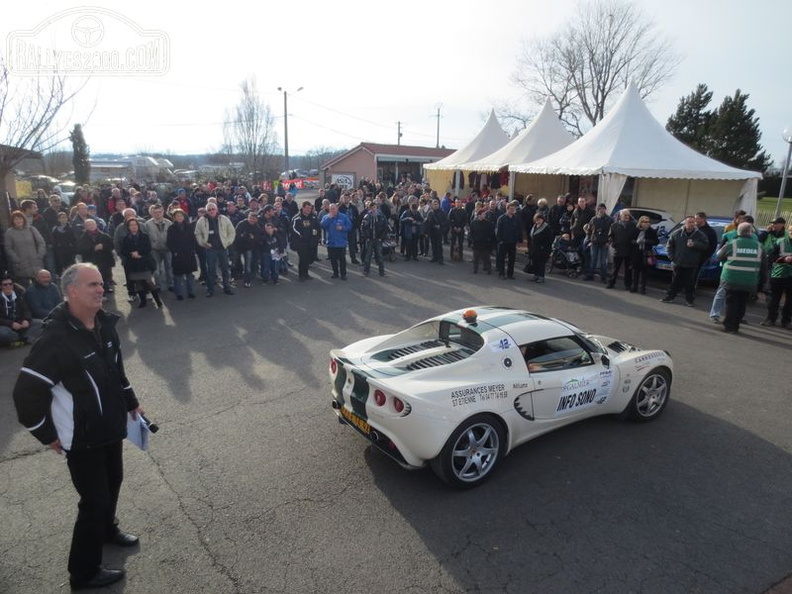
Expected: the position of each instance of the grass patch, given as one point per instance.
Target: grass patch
(768, 204)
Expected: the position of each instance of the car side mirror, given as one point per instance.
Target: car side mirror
(605, 360)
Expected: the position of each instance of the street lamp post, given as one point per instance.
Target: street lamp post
(286, 125)
(787, 136)
(438, 106)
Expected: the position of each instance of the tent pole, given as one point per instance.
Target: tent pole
(512, 179)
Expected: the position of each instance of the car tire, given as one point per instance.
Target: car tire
(471, 453)
(651, 396)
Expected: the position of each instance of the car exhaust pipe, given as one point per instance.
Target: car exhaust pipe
(374, 436)
(335, 404)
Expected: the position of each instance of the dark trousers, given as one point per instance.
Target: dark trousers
(539, 263)
(640, 273)
(306, 254)
(217, 258)
(482, 256)
(412, 247)
(130, 284)
(250, 263)
(337, 260)
(373, 248)
(457, 239)
(736, 302)
(424, 245)
(96, 474)
(778, 288)
(352, 241)
(437, 247)
(628, 272)
(682, 279)
(201, 253)
(504, 261)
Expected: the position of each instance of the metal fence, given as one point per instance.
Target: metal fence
(763, 218)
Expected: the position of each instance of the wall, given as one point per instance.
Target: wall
(360, 162)
(541, 186)
(681, 196)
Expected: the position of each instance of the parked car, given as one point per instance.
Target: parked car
(461, 390)
(711, 270)
(660, 220)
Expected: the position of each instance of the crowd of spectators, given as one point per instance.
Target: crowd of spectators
(231, 235)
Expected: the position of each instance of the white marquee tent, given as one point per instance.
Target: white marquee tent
(630, 142)
(487, 141)
(543, 136)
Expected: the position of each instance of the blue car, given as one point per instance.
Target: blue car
(711, 270)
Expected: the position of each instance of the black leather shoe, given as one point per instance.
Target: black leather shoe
(123, 539)
(105, 577)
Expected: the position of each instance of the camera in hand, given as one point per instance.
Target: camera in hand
(152, 427)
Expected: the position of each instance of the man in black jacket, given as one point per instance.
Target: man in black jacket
(712, 238)
(482, 235)
(351, 211)
(72, 394)
(508, 231)
(622, 235)
(436, 227)
(685, 247)
(373, 230)
(458, 219)
(305, 234)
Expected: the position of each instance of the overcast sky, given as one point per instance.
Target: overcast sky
(366, 66)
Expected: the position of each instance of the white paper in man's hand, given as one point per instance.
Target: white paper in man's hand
(137, 432)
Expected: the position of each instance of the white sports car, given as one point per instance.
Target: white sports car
(460, 390)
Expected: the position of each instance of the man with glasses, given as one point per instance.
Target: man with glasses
(215, 233)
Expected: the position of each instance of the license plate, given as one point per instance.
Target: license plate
(661, 265)
(355, 421)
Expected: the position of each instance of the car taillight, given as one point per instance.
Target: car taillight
(333, 366)
(398, 404)
(379, 397)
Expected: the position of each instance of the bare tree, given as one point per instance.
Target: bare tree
(586, 64)
(249, 129)
(315, 157)
(29, 109)
(58, 163)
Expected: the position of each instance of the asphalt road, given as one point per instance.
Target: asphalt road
(252, 486)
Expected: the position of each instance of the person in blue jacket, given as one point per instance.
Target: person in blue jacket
(337, 226)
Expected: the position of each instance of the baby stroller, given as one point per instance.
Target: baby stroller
(565, 257)
(389, 245)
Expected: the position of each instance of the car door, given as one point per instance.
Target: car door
(569, 380)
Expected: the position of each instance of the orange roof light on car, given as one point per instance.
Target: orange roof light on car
(469, 315)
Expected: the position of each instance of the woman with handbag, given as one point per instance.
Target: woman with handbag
(642, 255)
(139, 264)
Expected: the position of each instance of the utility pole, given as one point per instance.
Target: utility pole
(286, 125)
(399, 135)
(438, 106)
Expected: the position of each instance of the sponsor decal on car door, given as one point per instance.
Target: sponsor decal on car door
(561, 394)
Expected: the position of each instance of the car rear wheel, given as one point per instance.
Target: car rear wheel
(471, 453)
(651, 396)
